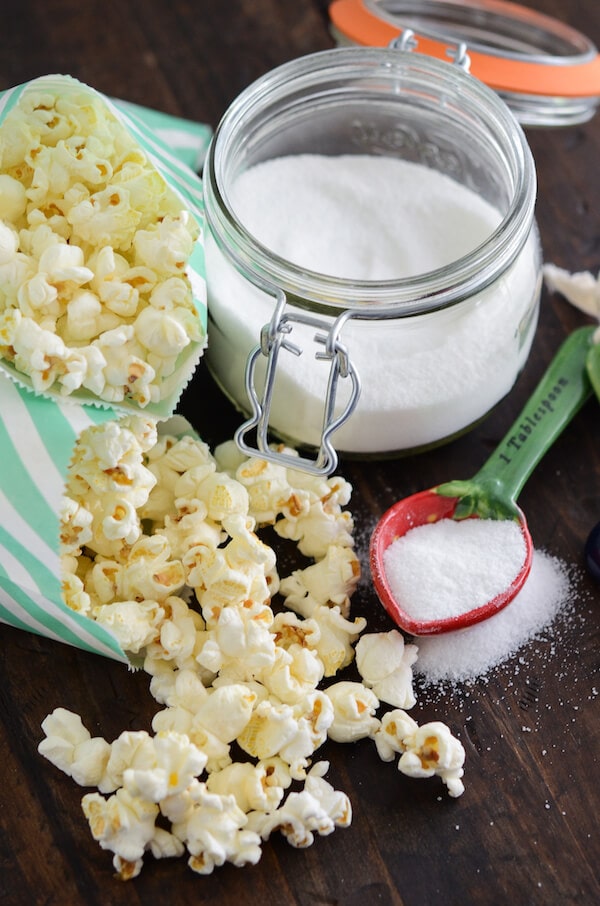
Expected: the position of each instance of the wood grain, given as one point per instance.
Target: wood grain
(526, 829)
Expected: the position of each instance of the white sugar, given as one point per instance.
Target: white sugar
(470, 653)
(446, 568)
(361, 217)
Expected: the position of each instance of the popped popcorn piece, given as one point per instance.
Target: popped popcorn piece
(237, 636)
(318, 807)
(73, 592)
(336, 803)
(177, 632)
(581, 289)
(294, 673)
(354, 708)
(314, 717)
(13, 199)
(212, 722)
(150, 572)
(425, 751)
(226, 711)
(71, 748)
(91, 239)
(250, 784)
(177, 762)
(395, 733)
(330, 581)
(165, 845)
(336, 636)
(270, 728)
(319, 529)
(384, 663)
(175, 687)
(135, 624)
(123, 824)
(433, 750)
(76, 526)
(131, 749)
(269, 489)
(215, 831)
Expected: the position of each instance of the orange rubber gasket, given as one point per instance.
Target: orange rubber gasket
(363, 27)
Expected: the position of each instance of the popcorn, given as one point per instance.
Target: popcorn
(76, 525)
(433, 750)
(132, 749)
(316, 531)
(335, 639)
(394, 734)
(271, 727)
(236, 636)
(428, 750)
(177, 762)
(211, 721)
(314, 717)
(214, 833)
(581, 289)
(294, 673)
(91, 238)
(384, 663)
(160, 545)
(123, 824)
(134, 623)
(177, 638)
(268, 489)
(226, 711)
(354, 709)
(249, 784)
(318, 807)
(71, 748)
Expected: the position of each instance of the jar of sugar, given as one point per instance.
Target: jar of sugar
(373, 265)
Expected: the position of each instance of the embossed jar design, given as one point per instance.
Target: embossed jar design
(371, 368)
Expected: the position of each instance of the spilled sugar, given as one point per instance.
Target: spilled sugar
(471, 653)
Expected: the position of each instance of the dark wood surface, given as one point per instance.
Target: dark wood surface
(526, 829)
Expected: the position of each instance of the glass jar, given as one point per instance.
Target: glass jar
(371, 368)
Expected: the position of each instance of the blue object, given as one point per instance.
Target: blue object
(592, 553)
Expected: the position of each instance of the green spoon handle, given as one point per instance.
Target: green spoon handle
(562, 391)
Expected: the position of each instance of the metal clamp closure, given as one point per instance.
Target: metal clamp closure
(274, 336)
(407, 41)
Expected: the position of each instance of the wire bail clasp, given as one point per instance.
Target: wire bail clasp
(408, 41)
(275, 336)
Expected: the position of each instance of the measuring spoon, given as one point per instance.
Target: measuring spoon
(493, 491)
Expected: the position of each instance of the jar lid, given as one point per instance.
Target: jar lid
(546, 71)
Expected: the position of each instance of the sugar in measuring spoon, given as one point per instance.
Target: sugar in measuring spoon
(492, 492)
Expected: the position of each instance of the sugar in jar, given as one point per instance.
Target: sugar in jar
(373, 264)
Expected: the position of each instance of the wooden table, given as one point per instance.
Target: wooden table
(526, 829)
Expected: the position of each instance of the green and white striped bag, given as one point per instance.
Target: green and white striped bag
(37, 438)
(38, 432)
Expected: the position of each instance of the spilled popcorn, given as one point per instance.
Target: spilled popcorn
(160, 545)
(581, 289)
(94, 246)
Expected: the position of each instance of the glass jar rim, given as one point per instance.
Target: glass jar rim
(429, 291)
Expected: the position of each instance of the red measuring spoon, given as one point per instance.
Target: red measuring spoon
(493, 491)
